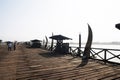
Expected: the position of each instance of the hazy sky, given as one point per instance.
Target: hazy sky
(33, 19)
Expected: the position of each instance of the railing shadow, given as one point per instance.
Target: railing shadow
(51, 54)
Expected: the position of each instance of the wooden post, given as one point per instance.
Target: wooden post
(52, 44)
(79, 48)
(80, 41)
(105, 56)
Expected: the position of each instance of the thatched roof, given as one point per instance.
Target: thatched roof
(60, 37)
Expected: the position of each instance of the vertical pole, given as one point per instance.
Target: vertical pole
(80, 41)
(105, 56)
(51, 44)
(43, 43)
(79, 48)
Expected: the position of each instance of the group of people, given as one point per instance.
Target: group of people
(11, 46)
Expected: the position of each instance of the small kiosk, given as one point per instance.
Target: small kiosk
(36, 43)
(60, 46)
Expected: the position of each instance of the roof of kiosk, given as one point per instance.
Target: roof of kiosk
(60, 37)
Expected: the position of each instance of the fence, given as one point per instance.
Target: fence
(105, 55)
(101, 54)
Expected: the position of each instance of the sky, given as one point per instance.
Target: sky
(24, 20)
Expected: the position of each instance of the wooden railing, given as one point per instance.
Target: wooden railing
(101, 54)
(105, 55)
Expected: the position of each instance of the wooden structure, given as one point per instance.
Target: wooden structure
(36, 43)
(38, 64)
(60, 46)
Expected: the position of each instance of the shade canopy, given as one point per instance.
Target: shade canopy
(8, 42)
(60, 37)
(36, 40)
(117, 26)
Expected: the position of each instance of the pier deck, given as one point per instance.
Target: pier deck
(38, 64)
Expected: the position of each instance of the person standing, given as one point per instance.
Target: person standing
(9, 46)
(14, 46)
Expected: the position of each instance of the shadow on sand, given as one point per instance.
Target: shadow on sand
(83, 63)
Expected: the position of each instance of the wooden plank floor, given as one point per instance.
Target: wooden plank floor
(38, 64)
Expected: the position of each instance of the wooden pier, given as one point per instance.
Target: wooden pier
(38, 64)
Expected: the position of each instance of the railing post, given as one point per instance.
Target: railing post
(79, 51)
(105, 56)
